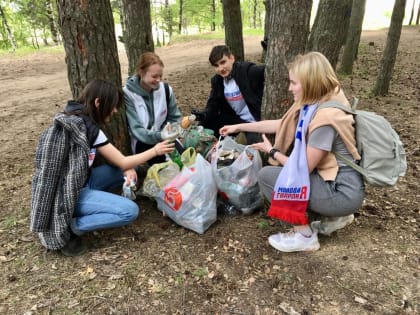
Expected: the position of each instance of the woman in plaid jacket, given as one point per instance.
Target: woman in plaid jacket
(69, 198)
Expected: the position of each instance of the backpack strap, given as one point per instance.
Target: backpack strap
(335, 104)
(166, 86)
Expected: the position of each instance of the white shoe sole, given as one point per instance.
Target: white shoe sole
(309, 248)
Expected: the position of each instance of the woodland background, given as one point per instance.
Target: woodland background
(154, 266)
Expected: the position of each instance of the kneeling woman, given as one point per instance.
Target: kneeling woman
(69, 197)
(310, 177)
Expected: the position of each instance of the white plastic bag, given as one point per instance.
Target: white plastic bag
(189, 198)
(235, 168)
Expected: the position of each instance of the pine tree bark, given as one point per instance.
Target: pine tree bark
(353, 36)
(233, 27)
(138, 36)
(87, 29)
(330, 28)
(288, 30)
(391, 48)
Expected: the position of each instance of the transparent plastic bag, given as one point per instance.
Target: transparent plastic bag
(128, 190)
(235, 168)
(170, 131)
(158, 175)
(189, 199)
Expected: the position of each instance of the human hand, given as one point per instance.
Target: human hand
(200, 115)
(164, 147)
(130, 175)
(228, 129)
(264, 146)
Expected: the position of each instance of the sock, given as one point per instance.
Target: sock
(305, 230)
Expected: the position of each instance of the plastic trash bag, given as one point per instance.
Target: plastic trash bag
(190, 198)
(199, 138)
(128, 190)
(235, 168)
(158, 175)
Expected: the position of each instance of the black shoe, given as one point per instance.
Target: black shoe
(74, 247)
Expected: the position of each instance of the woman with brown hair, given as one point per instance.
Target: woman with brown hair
(150, 104)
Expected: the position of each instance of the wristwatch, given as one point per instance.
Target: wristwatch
(272, 153)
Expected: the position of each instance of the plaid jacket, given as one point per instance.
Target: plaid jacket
(61, 169)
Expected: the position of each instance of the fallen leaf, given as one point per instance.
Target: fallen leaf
(360, 300)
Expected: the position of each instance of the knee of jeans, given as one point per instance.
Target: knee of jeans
(130, 212)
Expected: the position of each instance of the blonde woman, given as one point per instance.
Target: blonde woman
(304, 174)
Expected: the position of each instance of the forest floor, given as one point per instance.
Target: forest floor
(156, 267)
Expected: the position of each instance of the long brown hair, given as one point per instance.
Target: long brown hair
(110, 97)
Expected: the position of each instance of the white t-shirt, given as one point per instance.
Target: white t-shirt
(235, 99)
(101, 140)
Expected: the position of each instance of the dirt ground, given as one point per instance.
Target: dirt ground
(156, 267)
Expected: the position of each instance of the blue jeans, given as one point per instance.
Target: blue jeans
(97, 209)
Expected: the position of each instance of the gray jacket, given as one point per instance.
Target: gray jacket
(61, 169)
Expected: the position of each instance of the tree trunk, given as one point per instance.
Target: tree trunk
(254, 14)
(8, 31)
(264, 42)
(123, 25)
(52, 21)
(330, 28)
(391, 48)
(168, 18)
(233, 27)
(138, 36)
(35, 43)
(213, 15)
(87, 29)
(288, 30)
(353, 36)
(181, 4)
(418, 15)
(412, 13)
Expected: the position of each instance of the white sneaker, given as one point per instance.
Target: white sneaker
(294, 242)
(331, 224)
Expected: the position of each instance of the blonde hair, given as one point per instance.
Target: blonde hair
(316, 76)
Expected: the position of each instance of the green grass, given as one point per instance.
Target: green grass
(27, 50)
(9, 223)
(200, 272)
(213, 35)
(264, 224)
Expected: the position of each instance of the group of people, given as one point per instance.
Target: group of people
(71, 198)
